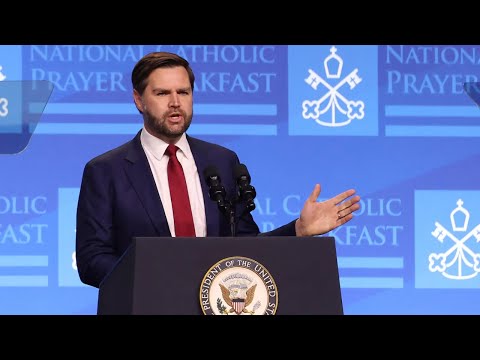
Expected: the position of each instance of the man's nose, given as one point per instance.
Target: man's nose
(174, 100)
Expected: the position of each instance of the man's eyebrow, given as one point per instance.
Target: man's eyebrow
(168, 90)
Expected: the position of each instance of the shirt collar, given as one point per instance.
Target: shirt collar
(157, 146)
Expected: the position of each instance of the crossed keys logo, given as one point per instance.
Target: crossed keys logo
(458, 262)
(342, 111)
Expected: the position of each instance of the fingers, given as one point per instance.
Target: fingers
(315, 193)
(350, 203)
(346, 218)
(349, 208)
(341, 197)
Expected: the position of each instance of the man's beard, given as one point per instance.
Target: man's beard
(160, 127)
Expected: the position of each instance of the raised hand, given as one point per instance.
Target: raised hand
(318, 218)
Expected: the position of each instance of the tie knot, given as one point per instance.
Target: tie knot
(171, 150)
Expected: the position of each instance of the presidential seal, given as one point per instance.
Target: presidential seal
(238, 286)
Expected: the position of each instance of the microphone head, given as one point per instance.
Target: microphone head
(216, 190)
(240, 171)
(211, 173)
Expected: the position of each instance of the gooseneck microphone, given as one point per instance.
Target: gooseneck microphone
(216, 190)
(217, 193)
(246, 192)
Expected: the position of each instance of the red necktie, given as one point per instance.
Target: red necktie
(182, 212)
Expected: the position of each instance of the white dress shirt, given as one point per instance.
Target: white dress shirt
(155, 150)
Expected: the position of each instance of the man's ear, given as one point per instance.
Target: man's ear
(138, 101)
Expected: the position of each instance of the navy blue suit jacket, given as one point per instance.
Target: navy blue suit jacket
(119, 200)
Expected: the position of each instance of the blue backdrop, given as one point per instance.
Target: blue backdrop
(392, 122)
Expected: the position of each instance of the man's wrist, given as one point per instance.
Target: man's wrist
(299, 228)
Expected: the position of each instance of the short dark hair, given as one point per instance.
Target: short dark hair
(146, 65)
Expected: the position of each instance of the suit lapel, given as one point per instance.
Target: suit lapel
(139, 172)
(202, 161)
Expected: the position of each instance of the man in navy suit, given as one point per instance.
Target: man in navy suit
(125, 192)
